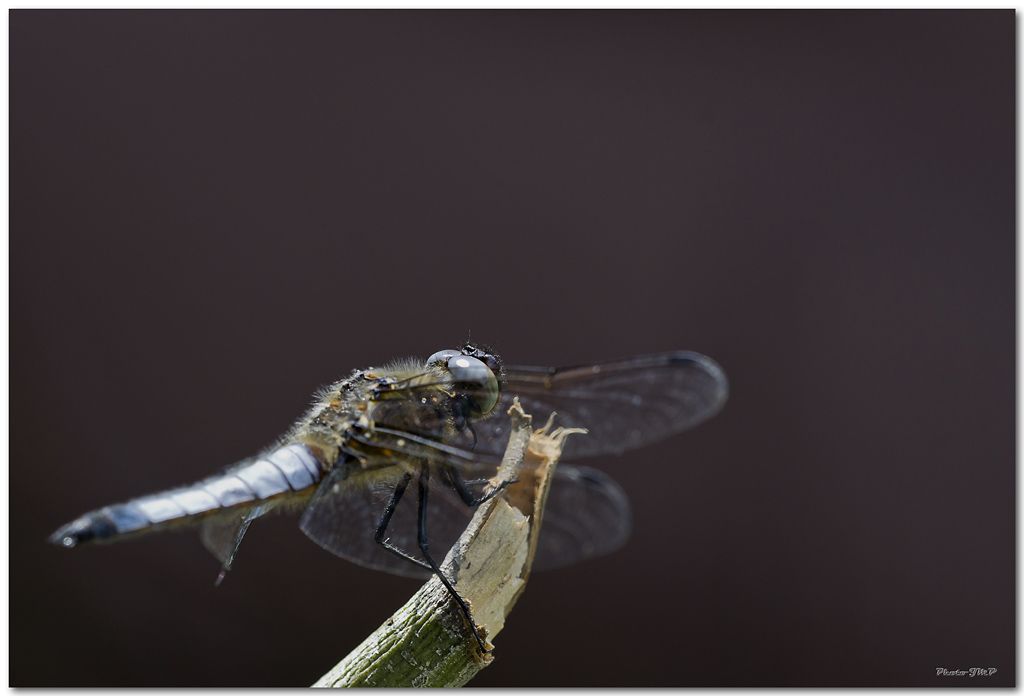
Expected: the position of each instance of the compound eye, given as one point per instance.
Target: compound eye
(482, 384)
(442, 357)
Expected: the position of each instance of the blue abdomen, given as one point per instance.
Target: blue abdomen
(288, 469)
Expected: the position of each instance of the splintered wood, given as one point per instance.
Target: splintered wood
(428, 642)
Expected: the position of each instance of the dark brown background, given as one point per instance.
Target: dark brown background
(214, 213)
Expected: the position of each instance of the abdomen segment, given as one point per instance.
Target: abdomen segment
(285, 470)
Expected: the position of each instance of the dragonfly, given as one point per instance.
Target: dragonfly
(388, 465)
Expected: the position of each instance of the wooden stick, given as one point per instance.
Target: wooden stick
(428, 642)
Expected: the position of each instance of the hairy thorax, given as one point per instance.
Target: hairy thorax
(405, 394)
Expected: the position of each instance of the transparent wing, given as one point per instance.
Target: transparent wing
(347, 508)
(219, 536)
(623, 404)
(587, 514)
(222, 535)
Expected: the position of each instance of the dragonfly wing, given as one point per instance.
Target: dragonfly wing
(347, 509)
(219, 534)
(587, 515)
(623, 404)
(222, 536)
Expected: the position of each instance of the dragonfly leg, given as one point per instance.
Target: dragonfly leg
(460, 485)
(462, 420)
(424, 544)
(385, 520)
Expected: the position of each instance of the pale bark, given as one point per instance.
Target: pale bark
(428, 641)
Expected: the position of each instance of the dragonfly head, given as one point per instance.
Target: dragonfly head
(484, 355)
(474, 371)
